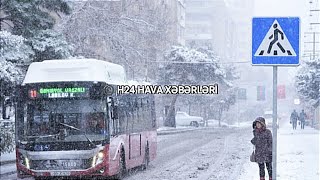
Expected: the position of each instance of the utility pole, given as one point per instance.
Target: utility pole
(313, 36)
(1, 98)
(312, 43)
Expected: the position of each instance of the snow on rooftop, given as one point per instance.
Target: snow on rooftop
(75, 70)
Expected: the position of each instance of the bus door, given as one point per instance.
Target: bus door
(135, 139)
(135, 145)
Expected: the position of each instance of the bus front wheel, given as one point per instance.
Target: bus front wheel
(122, 166)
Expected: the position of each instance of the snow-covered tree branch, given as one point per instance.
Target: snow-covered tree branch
(117, 31)
(195, 67)
(13, 51)
(308, 81)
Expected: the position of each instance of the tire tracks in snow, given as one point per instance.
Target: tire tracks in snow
(218, 161)
(181, 154)
(220, 155)
(224, 163)
(230, 162)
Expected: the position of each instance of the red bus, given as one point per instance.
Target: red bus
(71, 122)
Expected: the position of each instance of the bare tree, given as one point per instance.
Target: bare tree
(127, 32)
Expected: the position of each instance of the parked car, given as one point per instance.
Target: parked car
(184, 119)
(307, 122)
(268, 116)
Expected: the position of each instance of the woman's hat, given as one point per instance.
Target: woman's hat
(261, 120)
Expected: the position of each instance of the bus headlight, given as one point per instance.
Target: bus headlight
(97, 159)
(27, 163)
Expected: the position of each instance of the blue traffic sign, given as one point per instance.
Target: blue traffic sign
(275, 41)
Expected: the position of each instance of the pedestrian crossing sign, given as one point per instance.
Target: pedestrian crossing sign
(275, 41)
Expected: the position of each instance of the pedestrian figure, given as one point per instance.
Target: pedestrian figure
(275, 39)
(294, 118)
(302, 118)
(262, 140)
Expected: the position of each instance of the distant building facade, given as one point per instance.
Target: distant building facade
(199, 25)
(209, 24)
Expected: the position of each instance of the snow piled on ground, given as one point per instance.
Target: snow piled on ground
(298, 155)
(8, 156)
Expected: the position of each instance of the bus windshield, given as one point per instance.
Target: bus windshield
(65, 120)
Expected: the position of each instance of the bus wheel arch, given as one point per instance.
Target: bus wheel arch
(146, 159)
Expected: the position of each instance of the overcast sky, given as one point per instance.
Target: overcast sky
(294, 8)
(281, 7)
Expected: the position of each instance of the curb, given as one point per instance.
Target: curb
(11, 162)
(173, 132)
(167, 132)
(7, 162)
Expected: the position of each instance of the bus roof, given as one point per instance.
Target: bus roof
(136, 83)
(75, 70)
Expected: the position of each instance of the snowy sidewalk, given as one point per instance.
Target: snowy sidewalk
(181, 129)
(298, 156)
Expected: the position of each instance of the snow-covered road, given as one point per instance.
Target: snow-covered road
(223, 153)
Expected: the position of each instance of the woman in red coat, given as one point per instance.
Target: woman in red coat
(262, 141)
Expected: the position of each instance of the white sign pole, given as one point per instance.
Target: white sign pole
(274, 124)
(275, 48)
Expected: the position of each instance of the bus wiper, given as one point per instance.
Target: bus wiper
(84, 133)
(43, 136)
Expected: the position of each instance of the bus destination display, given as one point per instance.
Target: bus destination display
(66, 92)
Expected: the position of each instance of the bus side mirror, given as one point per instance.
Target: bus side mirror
(6, 108)
(115, 112)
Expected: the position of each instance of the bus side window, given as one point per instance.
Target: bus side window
(114, 118)
(147, 112)
(109, 116)
(115, 112)
(131, 114)
(137, 110)
(127, 122)
(153, 115)
(142, 109)
(122, 119)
